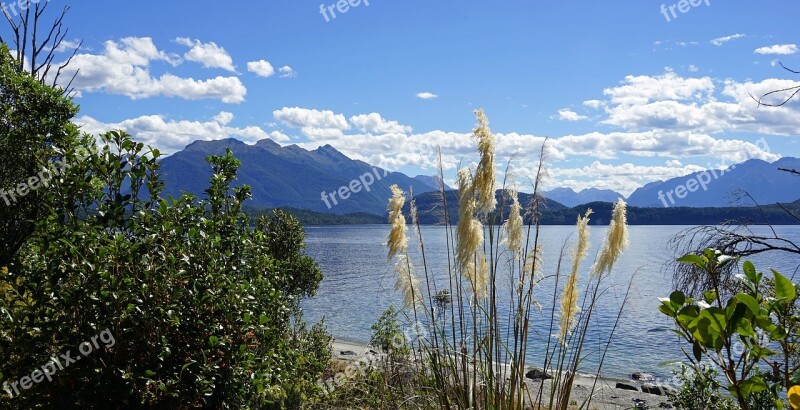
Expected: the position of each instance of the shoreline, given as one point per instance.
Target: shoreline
(607, 391)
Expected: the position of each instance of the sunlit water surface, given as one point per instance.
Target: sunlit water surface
(359, 286)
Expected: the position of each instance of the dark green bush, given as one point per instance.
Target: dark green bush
(202, 311)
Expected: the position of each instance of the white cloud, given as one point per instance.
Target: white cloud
(623, 178)
(385, 143)
(123, 68)
(425, 95)
(278, 136)
(596, 104)
(693, 68)
(375, 124)
(287, 72)
(565, 114)
(170, 136)
(315, 124)
(641, 89)
(261, 68)
(210, 55)
(722, 40)
(779, 49)
(68, 46)
(223, 117)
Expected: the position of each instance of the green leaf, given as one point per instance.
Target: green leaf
(149, 373)
(697, 350)
(784, 288)
(710, 296)
(750, 302)
(752, 385)
(738, 312)
(693, 259)
(677, 298)
(750, 271)
(666, 309)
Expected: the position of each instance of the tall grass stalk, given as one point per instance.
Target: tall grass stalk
(469, 361)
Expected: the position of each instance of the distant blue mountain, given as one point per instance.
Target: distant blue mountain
(432, 181)
(290, 176)
(762, 180)
(570, 198)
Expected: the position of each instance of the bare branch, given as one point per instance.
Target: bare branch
(795, 90)
(788, 69)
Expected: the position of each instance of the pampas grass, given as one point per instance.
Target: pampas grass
(485, 173)
(398, 241)
(469, 234)
(407, 281)
(476, 358)
(514, 226)
(616, 242)
(569, 297)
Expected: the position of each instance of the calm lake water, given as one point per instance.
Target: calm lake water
(359, 286)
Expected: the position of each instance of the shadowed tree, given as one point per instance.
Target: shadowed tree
(35, 43)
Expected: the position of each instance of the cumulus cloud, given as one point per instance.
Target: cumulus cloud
(565, 114)
(210, 55)
(375, 124)
(261, 68)
(287, 72)
(314, 124)
(778, 49)
(425, 95)
(722, 40)
(123, 68)
(671, 102)
(668, 86)
(596, 104)
(169, 135)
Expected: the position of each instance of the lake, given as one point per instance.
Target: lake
(359, 285)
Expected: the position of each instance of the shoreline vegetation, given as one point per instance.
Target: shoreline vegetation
(770, 214)
(608, 392)
(465, 359)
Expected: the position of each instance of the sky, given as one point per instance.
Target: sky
(626, 92)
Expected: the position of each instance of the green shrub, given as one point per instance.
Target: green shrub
(201, 309)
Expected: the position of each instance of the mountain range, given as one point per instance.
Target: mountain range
(570, 198)
(326, 181)
(762, 180)
(322, 180)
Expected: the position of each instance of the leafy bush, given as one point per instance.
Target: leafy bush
(34, 123)
(201, 308)
(698, 392)
(739, 335)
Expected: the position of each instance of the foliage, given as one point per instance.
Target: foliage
(741, 333)
(698, 392)
(467, 359)
(202, 310)
(286, 243)
(34, 126)
(389, 337)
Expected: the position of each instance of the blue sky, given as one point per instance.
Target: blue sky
(625, 96)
